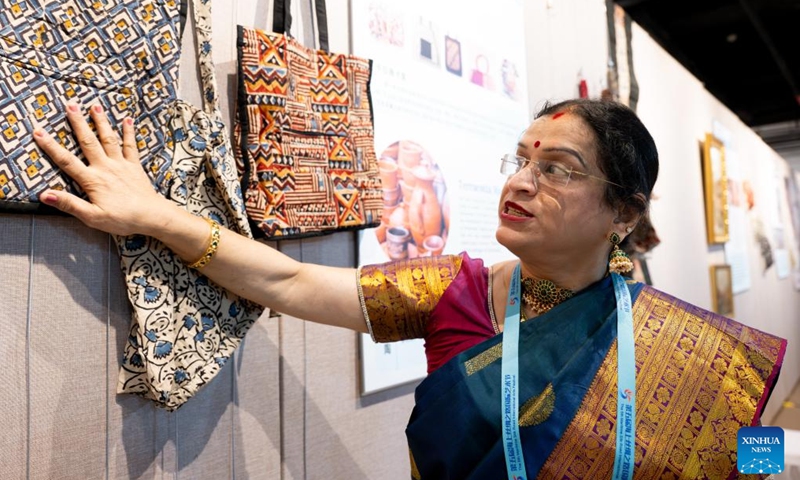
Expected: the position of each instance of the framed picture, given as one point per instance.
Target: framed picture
(722, 289)
(452, 55)
(716, 190)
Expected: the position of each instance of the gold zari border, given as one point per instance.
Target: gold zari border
(699, 379)
(398, 297)
(414, 471)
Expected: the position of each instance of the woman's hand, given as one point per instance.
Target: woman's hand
(123, 201)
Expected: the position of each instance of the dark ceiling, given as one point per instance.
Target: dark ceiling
(746, 52)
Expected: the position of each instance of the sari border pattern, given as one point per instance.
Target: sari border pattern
(397, 298)
(483, 359)
(700, 377)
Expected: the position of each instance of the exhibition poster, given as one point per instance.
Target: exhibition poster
(449, 100)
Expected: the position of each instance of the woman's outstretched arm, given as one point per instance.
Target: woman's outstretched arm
(123, 202)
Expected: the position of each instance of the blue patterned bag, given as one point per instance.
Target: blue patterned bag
(185, 327)
(122, 54)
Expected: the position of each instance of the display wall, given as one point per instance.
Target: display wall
(288, 405)
(679, 111)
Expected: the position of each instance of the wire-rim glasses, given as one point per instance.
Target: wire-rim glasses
(550, 173)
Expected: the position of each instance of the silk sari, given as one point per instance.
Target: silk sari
(700, 377)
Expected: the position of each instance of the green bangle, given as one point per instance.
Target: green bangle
(213, 244)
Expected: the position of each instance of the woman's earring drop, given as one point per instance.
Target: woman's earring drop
(618, 261)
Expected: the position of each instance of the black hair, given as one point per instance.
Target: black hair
(626, 151)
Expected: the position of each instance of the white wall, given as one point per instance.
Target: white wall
(564, 37)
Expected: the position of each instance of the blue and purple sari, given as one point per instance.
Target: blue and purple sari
(700, 377)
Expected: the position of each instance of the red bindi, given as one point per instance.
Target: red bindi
(555, 117)
(536, 145)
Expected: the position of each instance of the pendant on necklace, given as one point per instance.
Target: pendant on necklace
(542, 295)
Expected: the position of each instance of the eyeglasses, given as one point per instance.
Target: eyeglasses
(554, 174)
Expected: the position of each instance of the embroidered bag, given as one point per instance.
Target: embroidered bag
(305, 134)
(185, 327)
(122, 54)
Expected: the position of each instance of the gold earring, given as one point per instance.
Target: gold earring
(618, 261)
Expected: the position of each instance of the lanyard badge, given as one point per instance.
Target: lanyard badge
(626, 383)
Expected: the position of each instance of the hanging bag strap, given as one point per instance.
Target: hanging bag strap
(282, 16)
(322, 24)
(208, 78)
(282, 20)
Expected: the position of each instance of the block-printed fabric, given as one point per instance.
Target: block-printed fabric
(122, 54)
(186, 327)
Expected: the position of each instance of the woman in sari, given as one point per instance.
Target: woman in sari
(532, 361)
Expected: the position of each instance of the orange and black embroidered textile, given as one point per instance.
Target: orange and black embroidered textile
(722, 371)
(305, 131)
(398, 298)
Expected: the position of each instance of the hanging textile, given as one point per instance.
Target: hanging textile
(122, 54)
(185, 328)
(305, 131)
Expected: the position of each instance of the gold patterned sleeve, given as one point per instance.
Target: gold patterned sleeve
(397, 298)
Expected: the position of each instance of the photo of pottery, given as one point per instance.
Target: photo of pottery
(416, 214)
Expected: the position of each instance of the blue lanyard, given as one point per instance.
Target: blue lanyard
(626, 383)
(626, 374)
(509, 371)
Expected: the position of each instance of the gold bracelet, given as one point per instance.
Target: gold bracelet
(213, 244)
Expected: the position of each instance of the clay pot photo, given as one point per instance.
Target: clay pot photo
(416, 212)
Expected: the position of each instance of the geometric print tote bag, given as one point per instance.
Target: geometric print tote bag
(185, 327)
(122, 54)
(304, 134)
